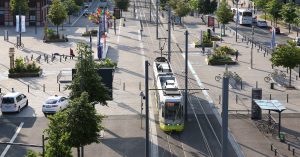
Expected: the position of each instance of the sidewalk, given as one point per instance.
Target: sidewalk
(252, 142)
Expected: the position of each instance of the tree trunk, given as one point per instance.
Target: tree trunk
(289, 28)
(82, 151)
(224, 29)
(78, 151)
(290, 81)
(266, 16)
(57, 29)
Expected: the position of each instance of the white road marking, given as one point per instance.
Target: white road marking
(12, 139)
(76, 19)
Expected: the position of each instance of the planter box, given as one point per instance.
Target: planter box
(205, 45)
(27, 74)
(222, 63)
(55, 40)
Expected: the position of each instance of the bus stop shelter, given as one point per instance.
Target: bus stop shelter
(272, 105)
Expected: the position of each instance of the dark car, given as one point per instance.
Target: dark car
(277, 30)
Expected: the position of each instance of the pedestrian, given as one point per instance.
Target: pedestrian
(71, 53)
(236, 55)
(203, 48)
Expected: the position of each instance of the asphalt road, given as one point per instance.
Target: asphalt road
(261, 35)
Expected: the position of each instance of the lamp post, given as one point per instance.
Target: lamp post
(12, 57)
(20, 31)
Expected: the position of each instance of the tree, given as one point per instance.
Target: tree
(262, 5)
(79, 2)
(182, 8)
(288, 13)
(31, 153)
(71, 7)
(224, 13)
(19, 7)
(83, 122)
(273, 8)
(287, 56)
(122, 4)
(58, 137)
(207, 6)
(86, 78)
(57, 13)
(193, 4)
(297, 19)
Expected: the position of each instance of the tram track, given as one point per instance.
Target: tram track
(170, 137)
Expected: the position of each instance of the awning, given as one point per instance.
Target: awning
(273, 105)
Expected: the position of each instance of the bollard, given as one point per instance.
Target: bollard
(256, 84)
(123, 85)
(0, 90)
(219, 99)
(43, 87)
(287, 98)
(59, 58)
(270, 96)
(296, 77)
(275, 152)
(236, 99)
(265, 54)
(31, 57)
(12, 90)
(59, 87)
(293, 151)
(271, 147)
(289, 147)
(65, 58)
(28, 88)
(241, 84)
(272, 66)
(140, 86)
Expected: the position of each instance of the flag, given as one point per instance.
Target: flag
(273, 44)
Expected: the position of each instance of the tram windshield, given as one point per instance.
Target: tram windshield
(173, 110)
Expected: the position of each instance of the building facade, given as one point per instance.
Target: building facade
(35, 16)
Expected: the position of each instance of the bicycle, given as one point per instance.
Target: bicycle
(279, 73)
(19, 45)
(237, 77)
(218, 77)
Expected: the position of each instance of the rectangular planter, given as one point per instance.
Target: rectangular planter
(19, 75)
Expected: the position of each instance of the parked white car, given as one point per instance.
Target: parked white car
(260, 23)
(297, 40)
(54, 104)
(13, 102)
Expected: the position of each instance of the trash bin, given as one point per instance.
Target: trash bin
(272, 85)
(282, 136)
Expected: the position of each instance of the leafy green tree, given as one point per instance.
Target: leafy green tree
(57, 13)
(273, 8)
(58, 137)
(162, 4)
(194, 4)
(262, 5)
(71, 7)
(297, 19)
(19, 6)
(224, 13)
(31, 153)
(288, 13)
(182, 8)
(84, 124)
(122, 4)
(87, 79)
(287, 56)
(207, 6)
(79, 2)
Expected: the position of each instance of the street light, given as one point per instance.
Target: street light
(11, 57)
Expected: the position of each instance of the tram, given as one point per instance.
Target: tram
(169, 100)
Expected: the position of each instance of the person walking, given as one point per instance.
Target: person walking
(236, 55)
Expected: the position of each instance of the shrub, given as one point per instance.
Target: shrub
(219, 58)
(107, 63)
(226, 50)
(21, 67)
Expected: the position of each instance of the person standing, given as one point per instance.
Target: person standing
(236, 55)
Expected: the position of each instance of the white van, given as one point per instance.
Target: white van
(13, 102)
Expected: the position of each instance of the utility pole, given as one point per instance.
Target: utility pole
(147, 108)
(20, 28)
(156, 19)
(251, 58)
(237, 19)
(169, 33)
(225, 114)
(150, 3)
(186, 75)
